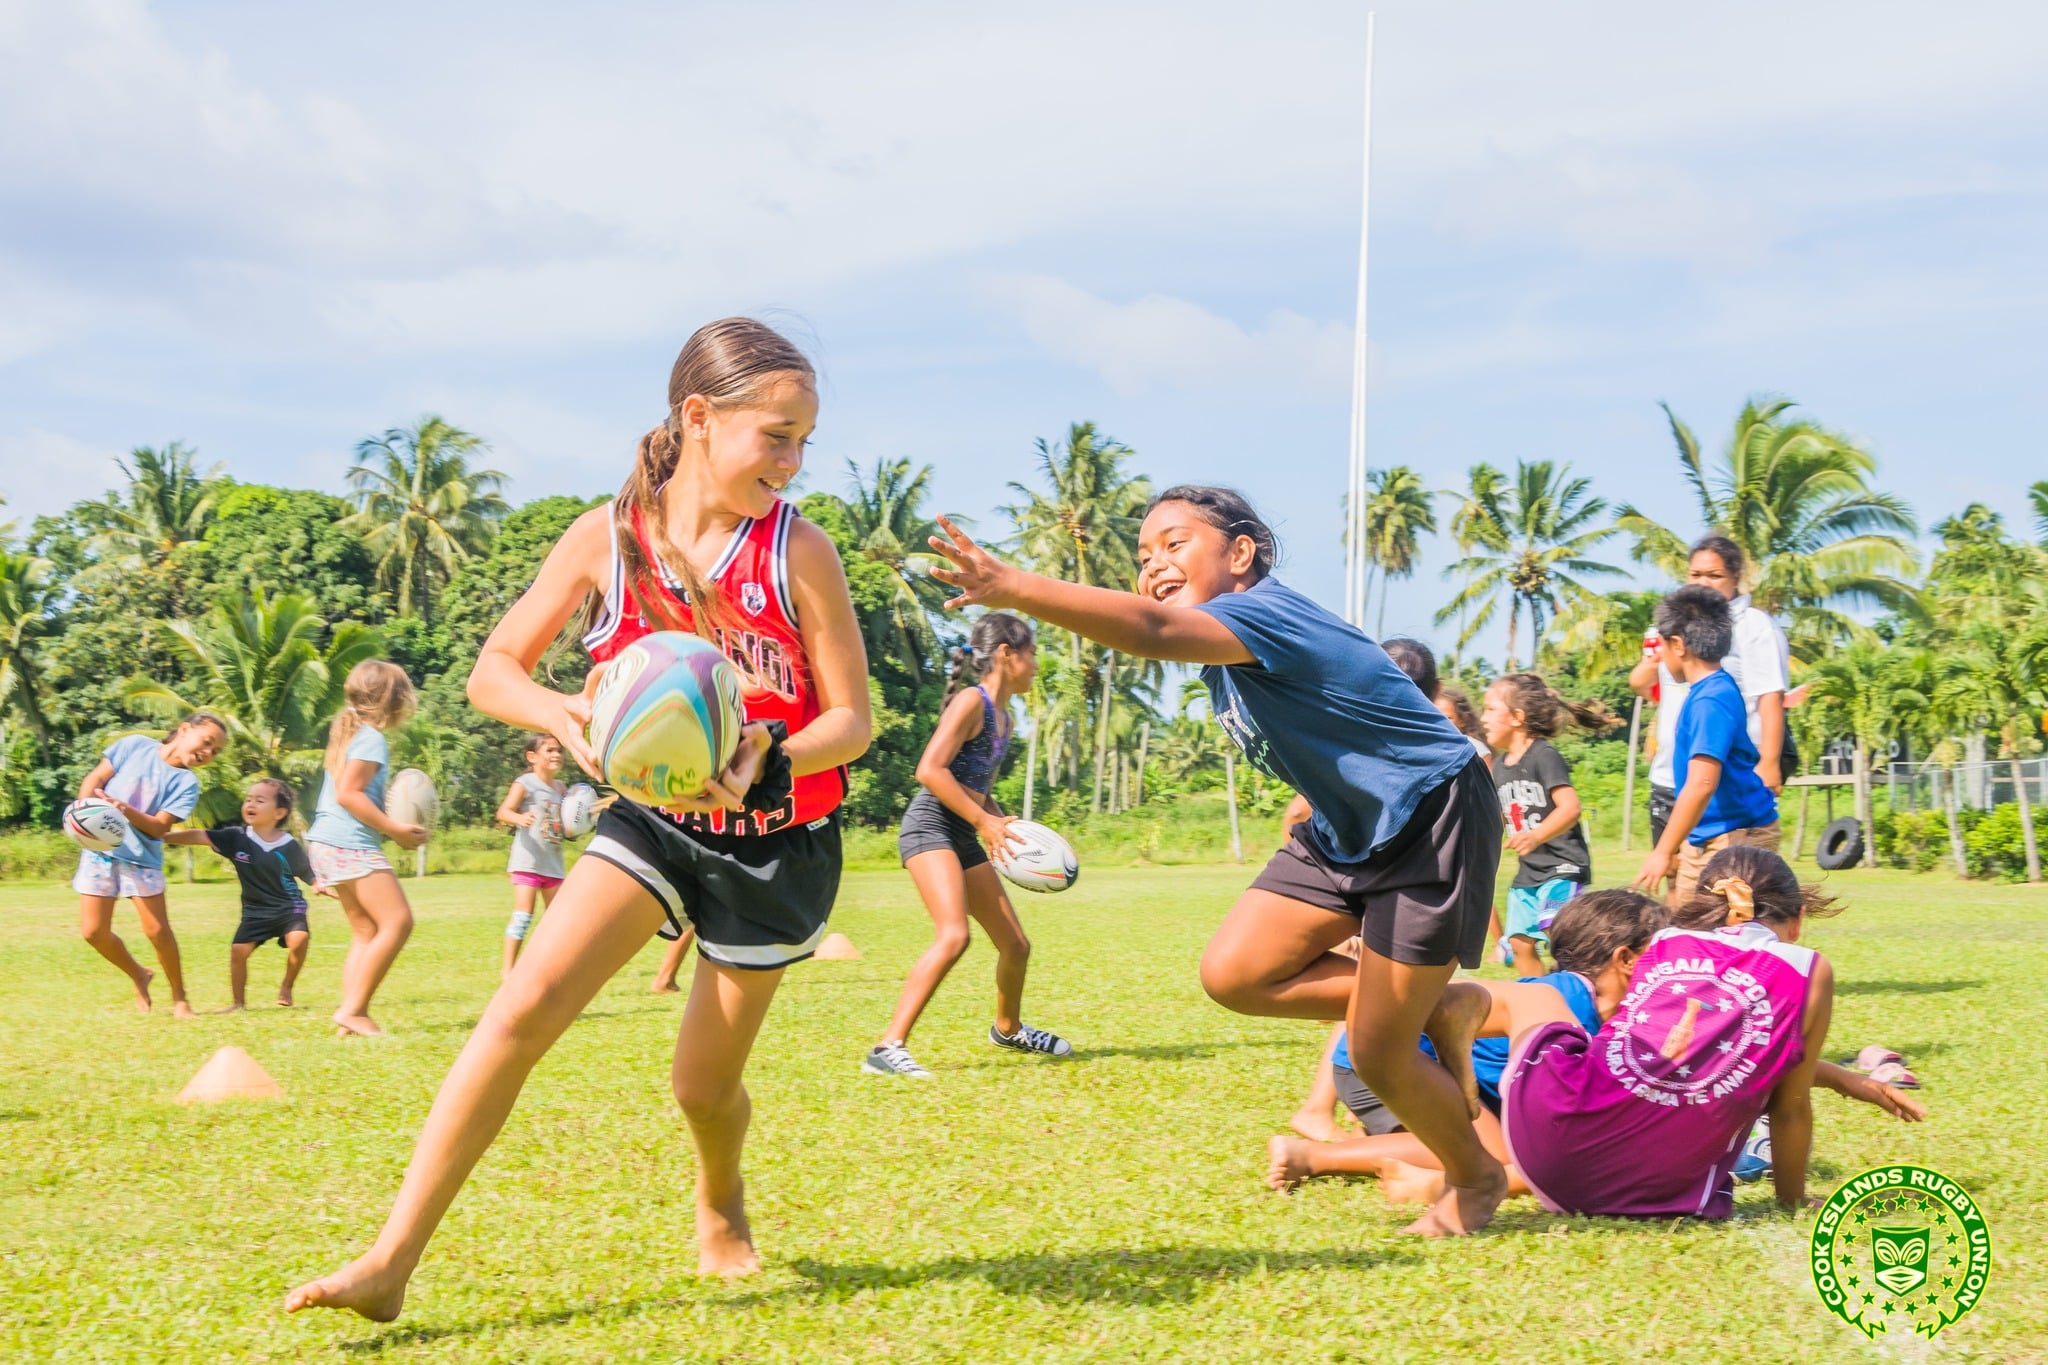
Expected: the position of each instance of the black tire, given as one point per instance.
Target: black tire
(1841, 844)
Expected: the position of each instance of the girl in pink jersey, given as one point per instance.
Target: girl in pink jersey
(698, 539)
(1723, 1021)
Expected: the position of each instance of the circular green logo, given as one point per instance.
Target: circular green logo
(1900, 1246)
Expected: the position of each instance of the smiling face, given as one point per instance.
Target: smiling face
(546, 758)
(1183, 561)
(753, 450)
(1708, 570)
(1497, 720)
(194, 745)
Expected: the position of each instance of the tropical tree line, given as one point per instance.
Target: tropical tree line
(184, 588)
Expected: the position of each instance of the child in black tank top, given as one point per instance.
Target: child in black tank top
(942, 841)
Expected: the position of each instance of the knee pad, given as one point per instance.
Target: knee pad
(521, 921)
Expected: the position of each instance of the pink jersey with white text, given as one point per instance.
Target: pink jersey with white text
(1646, 1117)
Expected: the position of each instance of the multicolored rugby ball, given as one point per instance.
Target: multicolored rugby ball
(1037, 858)
(94, 824)
(666, 718)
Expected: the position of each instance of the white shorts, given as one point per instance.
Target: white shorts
(99, 875)
(333, 864)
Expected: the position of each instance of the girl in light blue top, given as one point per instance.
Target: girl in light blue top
(153, 786)
(348, 823)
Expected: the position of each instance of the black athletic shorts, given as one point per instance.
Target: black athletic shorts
(1662, 799)
(1425, 896)
(264, 928)
(757, 901)
(928, 825)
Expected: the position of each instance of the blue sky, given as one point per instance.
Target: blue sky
(271, 230)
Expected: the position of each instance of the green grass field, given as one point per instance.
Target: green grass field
(1111, 1208)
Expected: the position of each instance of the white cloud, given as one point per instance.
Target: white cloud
(1161, 342)
(44, 472)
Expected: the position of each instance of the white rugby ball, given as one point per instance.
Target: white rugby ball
(411, 798)
(1037, 858)
(94, 824)
(579, 810)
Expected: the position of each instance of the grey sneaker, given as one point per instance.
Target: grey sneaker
(1029, 1039)
(893, 1059)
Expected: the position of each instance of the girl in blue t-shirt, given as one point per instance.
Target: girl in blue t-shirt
(348, 823)
(1404, 838)
(150, 782)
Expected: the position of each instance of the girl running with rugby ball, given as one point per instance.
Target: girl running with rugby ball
(1404, 840)
(949, 831)
(698, 539)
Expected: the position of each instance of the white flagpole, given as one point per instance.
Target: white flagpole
(1355, 558)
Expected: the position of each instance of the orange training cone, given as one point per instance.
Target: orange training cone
(230, 1074)
(837, 948)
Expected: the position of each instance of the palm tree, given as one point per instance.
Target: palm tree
(257, 662)
(2037, 494)
(1083, 527)
(1531, 540)
(1797, 498)
(423, 511)
(1398, 509)
(168, 501)
(27, 598)
(885, 514)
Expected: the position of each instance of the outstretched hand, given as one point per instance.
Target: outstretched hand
(983, 580)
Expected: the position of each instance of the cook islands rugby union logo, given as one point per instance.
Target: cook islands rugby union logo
(1900, 1247)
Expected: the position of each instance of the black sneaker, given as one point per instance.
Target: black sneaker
(893, 1059)
(1029, 1039)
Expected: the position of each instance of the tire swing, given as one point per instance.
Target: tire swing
(1841, 844)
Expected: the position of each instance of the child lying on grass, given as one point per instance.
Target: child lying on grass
(1596, 939)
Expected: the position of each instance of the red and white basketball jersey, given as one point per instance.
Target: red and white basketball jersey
(760, 635)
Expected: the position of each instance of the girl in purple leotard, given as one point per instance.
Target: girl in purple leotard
(1724, 1020)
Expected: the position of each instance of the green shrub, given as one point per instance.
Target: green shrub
(1915, 839)
(1996, 847)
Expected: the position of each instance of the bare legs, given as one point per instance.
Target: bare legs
(599, 926)
(1272, 956)
(294, 959)
(96, 926)
(379, 922)
(1291, 1160)
(238, 967)
(1314, 1119)
(522, 906)
(719, 1026)
(672, 962)
(952, 896)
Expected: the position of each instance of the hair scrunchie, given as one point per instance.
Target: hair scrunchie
(1741, 900)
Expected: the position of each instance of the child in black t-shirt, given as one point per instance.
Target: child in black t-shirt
(1539, 806)
(269, 863)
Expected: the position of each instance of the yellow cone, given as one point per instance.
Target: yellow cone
(230, 1074)
(838, 948)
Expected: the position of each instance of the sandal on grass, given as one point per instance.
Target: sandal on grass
(1894, 1074)
(1875, 1056)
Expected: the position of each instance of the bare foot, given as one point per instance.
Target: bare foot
(725, 1244)
(1313, 1125)
(370, 1288)
(1403, 1183)
(143, 1004)
(1463, 1209)
(360, 1025)
(235, 1008)
(1452, 1029)
(1287, 1162)
(284, 1000)
(182, 1009)
(666, 988)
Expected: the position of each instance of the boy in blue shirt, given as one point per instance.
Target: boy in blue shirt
(1721, 800)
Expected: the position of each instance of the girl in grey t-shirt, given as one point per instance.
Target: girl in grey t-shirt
(533, 809)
